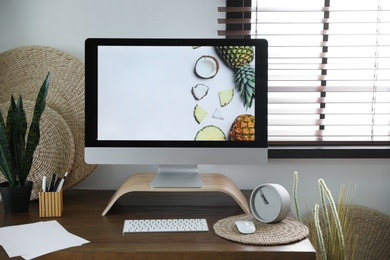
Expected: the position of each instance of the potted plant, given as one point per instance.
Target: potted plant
(330, 226)
(17, 150)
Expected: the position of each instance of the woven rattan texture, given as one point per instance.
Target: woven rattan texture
(370, 229)
(55, 152)
(22, 71)
(280, 233)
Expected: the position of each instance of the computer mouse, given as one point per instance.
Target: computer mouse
(245, 226)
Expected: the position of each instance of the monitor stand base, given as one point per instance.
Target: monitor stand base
(177, 176)
(211, 183)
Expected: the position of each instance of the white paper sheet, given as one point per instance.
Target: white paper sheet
(36, 239)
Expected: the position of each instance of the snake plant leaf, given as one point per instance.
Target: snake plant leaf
(22, 121)
(10, 118)
(17, 141)
(5, 155)
(34, 131)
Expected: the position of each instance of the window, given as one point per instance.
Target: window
(329, 73)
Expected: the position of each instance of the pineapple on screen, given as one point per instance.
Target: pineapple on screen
(239, 58)
(225, 97)
(199, 113)
(236, 56)
(245, 84)
(210, 133)
(243, 128)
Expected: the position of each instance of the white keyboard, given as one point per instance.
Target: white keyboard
(164, 225)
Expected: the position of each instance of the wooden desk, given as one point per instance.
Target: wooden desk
(82, 217)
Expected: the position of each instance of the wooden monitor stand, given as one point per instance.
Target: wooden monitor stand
(211, 182)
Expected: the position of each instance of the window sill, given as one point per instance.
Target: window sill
(336, 152)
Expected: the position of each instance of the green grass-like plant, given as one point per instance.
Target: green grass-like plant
(16, 151)
(329, 225)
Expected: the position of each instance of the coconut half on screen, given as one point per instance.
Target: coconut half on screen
(206, 67)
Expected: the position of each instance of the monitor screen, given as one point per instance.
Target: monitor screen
(176, 101)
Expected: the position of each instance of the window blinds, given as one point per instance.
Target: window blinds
(329, 67)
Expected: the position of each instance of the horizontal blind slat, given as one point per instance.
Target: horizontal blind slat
(350, 8)
(315, 88)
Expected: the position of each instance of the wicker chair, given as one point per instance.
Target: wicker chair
(370, 230)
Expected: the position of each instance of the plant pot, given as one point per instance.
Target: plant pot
(16, 200)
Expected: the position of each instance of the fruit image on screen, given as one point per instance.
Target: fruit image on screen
(176, 93)
(210, 132)
(243, 128)
(237, 64)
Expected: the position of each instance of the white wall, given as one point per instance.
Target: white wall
(65, 24)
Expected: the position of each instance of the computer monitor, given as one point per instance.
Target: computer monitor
(176, 103)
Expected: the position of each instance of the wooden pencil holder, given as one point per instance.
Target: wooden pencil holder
(50, 204)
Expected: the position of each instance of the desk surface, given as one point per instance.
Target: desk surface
(82, 217)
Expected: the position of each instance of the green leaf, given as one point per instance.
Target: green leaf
(34, 131)
(5, 155)
(17, 141)
(22, 121)
(10, 129)
(10, 115)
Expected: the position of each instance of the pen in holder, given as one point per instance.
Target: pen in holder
(50, 204)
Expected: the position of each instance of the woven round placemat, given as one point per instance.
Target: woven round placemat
(284, 232)
(22, 71)
(55, 151)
